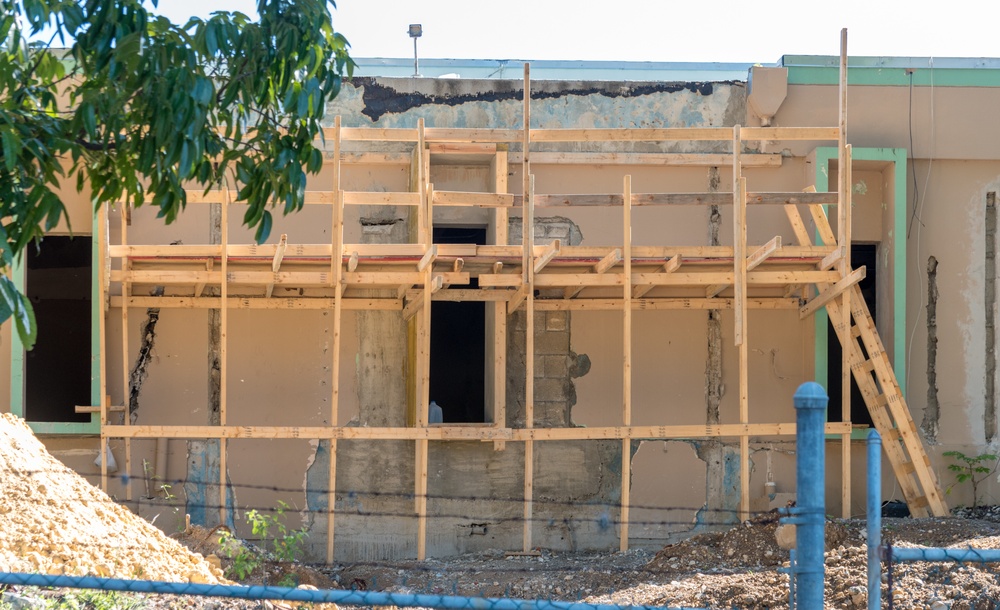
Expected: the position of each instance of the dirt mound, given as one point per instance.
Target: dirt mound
(52, 521)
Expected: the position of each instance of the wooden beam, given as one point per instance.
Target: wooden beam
(670, 266)
(663, 303)
(461, 148)
(626, 480)
(289, 303)
(663, 159)
(126, 372)
(428, 258)
(759, 255)
(610, 260)
(681, 199)
(550, 252)
(467, 199)
(336, 273)
(527, 293)
(467, 433)
(831, 292)
(223, 358)
(516, 299)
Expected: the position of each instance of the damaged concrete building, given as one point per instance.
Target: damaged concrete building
(610, 278)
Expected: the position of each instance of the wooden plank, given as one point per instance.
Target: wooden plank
(681, 199)
(665, 159)
(381, 198)
(223, 358)
(290, 303)
(336, 273)
(663, 303)
(421, 498)
(97, 408)
(550, 252)
(822, 224)
(832, 292)
(759, 255)
(671, 266)
(610, 260)
(460, 148)
(103, 276)
(126, 373)
(499, 167)
(466, 199)
(428, 258)
(444, 134)
(740, 310)
(528, 292)
(718, 134)
(353, 134)
(626, 482)
(466, 433)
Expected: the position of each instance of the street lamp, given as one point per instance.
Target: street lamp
(415, 32)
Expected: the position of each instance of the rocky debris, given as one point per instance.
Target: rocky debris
(52, 521)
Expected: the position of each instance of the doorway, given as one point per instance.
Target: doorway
(862, 255)
(57, 371)
(458, 344)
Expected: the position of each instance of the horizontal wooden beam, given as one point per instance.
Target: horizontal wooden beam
(664, 303)
(483, 200)
(678, 199)
(664, 159)
(446, 432)
(294, 303)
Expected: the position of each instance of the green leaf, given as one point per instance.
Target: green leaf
(15, 305)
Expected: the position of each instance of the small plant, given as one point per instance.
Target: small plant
(95, 600)
(971, 469)
(287, 544)
(243, 561)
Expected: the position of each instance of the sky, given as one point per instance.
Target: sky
(652, 30)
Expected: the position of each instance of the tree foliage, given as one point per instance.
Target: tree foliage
(108, 96)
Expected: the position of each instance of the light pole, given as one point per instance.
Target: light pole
(415, 32)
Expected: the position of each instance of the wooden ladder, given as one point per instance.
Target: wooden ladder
(876, 379)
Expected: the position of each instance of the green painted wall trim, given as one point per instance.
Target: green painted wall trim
(896, 156)
(17, 356)
(895, 77)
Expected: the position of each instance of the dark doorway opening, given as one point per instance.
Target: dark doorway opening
(458, 344)
(862, 255)
(57, 370)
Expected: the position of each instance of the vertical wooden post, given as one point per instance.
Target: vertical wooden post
(498, 309)
(423, 349)
(844, 236)
(126, 291)
(336, 271)
(223, 365)
(626, 363)
(101, 222)
(740, 311)
(527, 280)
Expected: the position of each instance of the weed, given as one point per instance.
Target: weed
(243, 560)
(287, 544)
(971, 469)
(95, 600)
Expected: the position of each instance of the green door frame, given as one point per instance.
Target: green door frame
(896, 156)
(17, 356)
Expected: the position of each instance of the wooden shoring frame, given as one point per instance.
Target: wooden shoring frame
(612, 278)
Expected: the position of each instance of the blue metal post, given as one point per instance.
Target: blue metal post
(810, 470)
(874, 520)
